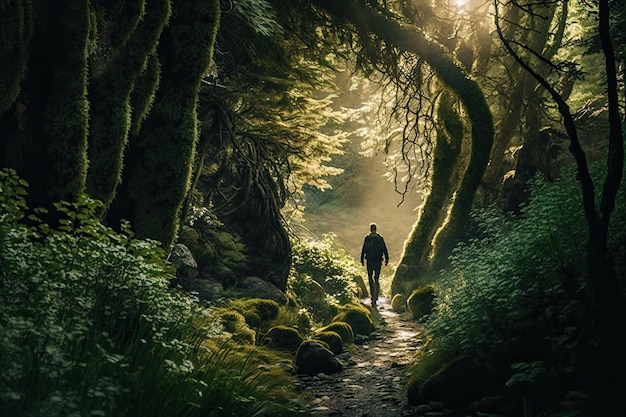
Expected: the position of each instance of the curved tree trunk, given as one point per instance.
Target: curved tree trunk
(447, 149)
(110, 94)
(160, 158)
(450, 73)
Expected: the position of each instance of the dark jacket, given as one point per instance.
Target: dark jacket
(374, 249)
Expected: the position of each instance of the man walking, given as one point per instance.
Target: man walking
(374, 249)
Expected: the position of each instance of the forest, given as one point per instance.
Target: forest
(185, 188)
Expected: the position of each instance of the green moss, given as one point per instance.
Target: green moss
(332, 339)
(358, 317)
(257, 312)
(283, 337)
(235, 323)
(420, 301)
(343, 329)
(426, 365)
(398, 303)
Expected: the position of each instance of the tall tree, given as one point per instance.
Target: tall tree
(130, 37)
(159, 159)
(44, 128)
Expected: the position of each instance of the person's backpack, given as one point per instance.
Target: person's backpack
(374, 247)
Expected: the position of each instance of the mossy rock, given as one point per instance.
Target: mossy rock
(420, 301)
(358, 317)
(343, 329)
(458, 383)
(236, 325)
(398, 303)
(257, 311)
(283, 337)
(313, 357)
(332, 339)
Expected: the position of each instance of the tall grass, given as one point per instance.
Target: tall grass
(89, 326)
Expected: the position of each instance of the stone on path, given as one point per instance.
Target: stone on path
(372, 381)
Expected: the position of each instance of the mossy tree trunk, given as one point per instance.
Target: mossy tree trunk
(45, 127)
(110, 92)
(414, 259)
(16, 21)
(159, 159)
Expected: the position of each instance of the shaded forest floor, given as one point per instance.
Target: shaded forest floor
(373, 380)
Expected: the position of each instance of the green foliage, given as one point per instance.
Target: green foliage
(517, 290)
(329, 265)
(322, 277)
(90, 326)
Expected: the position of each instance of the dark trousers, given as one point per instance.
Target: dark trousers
(373, 274)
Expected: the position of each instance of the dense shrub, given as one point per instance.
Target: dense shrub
(516, 292)
(322, 277)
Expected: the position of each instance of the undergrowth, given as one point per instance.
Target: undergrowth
(91, 327)
(323, 277)
(516, 292)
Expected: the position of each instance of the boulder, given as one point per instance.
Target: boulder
(283, 337)
(459, 383)
(343, 329)
(205, 289)
(313, 358)
(358, 317)
(398, 303)
(184, 262)
(258, 312)
(420, 301)
(254, 287)
(332, 339)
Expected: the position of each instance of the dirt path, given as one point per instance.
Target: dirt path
(372, 383)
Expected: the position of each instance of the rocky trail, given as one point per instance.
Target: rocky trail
(372, 383)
